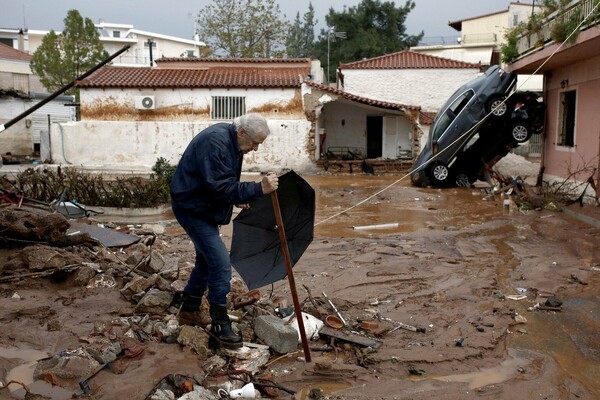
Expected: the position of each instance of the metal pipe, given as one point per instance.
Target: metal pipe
(61, 90)
(377, 226)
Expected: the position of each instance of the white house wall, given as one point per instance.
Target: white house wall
(197, 99)
(18, 138)
(135, 146)
(346, 126)
(428, 88)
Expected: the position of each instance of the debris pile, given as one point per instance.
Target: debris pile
(48, 245)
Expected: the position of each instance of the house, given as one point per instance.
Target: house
(145, 47)
(20, 89)
(480, 37)
(571, 69)
(408, 77)
(353, 127)
(130, 117)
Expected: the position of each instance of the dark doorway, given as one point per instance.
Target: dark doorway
(374, 137)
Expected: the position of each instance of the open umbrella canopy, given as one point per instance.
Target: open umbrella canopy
(256, 251)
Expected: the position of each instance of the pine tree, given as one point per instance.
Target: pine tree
(62, 57)
(301, 36)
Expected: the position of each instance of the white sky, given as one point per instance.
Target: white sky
(176, 17)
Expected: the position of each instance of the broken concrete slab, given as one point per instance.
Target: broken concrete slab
(278, 336)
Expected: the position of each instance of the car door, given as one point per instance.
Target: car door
(451, 124)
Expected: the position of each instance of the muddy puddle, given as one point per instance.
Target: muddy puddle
(24, 375)
(569, 337)
(360, 206)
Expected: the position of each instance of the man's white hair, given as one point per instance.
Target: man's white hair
(253, 124)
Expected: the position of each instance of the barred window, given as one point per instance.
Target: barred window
(566, 133)
(228, 107)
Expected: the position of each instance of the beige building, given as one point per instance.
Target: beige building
(145, 46)
(479, 38)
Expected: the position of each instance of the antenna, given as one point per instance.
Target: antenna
(24, 22)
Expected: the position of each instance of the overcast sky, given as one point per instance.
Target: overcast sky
(176, 17)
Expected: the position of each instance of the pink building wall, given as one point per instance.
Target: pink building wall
(584, 77)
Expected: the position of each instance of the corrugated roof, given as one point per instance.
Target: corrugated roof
(10, 53)
(360, 99)
(407, 59)
(222, 77)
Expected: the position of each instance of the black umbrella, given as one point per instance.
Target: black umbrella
(256, 251)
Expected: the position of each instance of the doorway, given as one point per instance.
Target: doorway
(374, 136)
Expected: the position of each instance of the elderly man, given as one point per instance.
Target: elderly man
(205, 187)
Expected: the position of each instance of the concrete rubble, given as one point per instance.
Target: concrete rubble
(151, 282)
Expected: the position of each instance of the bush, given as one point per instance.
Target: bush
(93, 189)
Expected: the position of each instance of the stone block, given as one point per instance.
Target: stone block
(279, 337)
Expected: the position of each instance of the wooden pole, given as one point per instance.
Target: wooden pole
(290, 274)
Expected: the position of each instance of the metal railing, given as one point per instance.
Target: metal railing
(532, 40)
(473, 38)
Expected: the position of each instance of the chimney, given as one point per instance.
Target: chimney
(21, 45)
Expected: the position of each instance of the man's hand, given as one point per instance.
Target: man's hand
(270, 183)
(244, 206)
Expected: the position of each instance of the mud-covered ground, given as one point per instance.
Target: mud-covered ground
(458, 265)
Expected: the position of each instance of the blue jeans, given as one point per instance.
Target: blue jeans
(212, 269)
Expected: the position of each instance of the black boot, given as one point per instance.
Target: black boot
(221, 333)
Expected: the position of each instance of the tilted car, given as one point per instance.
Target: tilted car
(467, 112)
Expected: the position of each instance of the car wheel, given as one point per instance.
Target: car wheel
(497, 106)
(463, 180)
(439, 173)
(520, 133)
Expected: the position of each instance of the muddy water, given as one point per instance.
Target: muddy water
(570, 337)
(347, 203)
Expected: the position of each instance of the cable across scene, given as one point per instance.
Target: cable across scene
(576, 29)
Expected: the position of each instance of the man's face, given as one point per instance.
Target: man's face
(247, 144)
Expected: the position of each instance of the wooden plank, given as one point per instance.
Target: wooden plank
(351, 337)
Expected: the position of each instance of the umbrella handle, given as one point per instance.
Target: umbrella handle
(290, 274)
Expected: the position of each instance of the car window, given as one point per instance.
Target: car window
(450, 113)
(471, 141)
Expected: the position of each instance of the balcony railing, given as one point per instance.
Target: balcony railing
(478, 38)
(558, 25)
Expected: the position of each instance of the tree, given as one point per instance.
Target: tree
(301, 36)
(372, 29)
(62, 57)
(243, 28)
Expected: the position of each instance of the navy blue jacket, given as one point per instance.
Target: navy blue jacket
(206, 182)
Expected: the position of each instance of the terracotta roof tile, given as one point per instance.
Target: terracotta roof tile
(8, 52)
(360, 99)
(234, 60)
(426, 117)
(407, 59)
(223, 77)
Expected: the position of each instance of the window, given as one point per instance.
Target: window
(566, 131)
(21, 82)
(228, 107)
(515, 21)
(189, 53)
(450, 113)
(116, 33)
